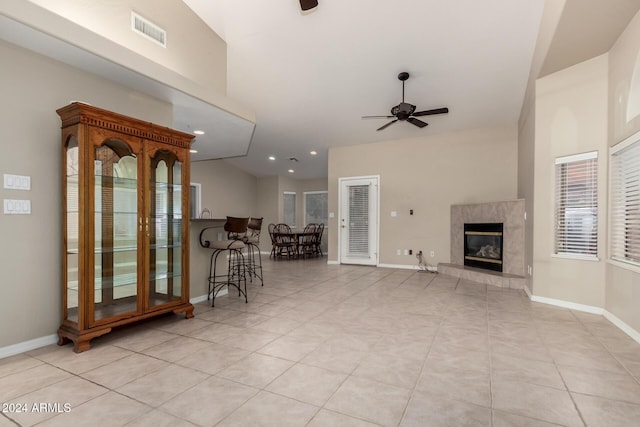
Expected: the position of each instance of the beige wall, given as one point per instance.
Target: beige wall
(33, 87)
(226, 191)
(526, 126)
(428, 175)
(570, 118)
(193, 50)
(622, 283)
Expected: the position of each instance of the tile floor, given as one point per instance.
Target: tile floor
(324, 345)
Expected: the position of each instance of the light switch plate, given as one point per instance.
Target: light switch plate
(17, 207)
(17, 182)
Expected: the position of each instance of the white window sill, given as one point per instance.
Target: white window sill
(626, 265)
(576, 257)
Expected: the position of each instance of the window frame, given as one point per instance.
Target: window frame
(631, 142)
(558, 251)
(304, 204)
(295, 207)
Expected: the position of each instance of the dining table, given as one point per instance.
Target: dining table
(296, 237)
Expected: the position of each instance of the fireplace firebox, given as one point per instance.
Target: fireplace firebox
(483, 246)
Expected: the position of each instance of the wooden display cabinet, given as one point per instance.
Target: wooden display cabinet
(125, 218)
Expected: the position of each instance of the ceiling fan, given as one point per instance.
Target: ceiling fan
(407, 112)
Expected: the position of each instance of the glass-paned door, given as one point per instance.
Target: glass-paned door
(115, 266)
(359, 221)
(165, 229)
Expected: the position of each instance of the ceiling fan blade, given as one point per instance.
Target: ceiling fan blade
(387, 125)
(417, 122)
(378, 117)
(431, 112)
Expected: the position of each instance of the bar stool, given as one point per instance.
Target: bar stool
(235, 276)
(252, 240)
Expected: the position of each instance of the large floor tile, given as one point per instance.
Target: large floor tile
(369, 400)
(508, 368)
(434, 410)
(213, 358)
(389, 370)
(158, 387)
(59, 397)
(108, 410)
(533, 401)
(268, 409)
(307, 383)
(469, 385)
(326, 418)
(19, 362)
(604, 412)
(291, 347)
(210, 401)
(608, 385)
(127, 369)
(503, 419)
(23, 382)
(256, 370)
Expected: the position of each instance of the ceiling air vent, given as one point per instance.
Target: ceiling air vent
(148, 29)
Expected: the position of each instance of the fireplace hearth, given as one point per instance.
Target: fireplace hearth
(483, 245)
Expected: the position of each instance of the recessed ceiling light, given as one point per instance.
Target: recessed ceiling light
(198, 132)
(272, 158)
(313, 153)
(193, 151)
(291, 171)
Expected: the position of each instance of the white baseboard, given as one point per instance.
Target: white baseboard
(333, 262)
(202, 298)
(635, 335)
(622, 326)
(24, 346)
(567, 304)
(399, 266)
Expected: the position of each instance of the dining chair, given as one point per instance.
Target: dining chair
(270, 228)
(285, 242)
(318, 239)
(307, 243)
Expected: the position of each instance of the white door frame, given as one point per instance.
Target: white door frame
(376, 226)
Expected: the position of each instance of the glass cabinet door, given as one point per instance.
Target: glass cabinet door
(72, 235)
(115, 286)
(165, 234)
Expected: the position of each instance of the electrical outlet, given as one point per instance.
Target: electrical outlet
(406, 251)
(530, 270)
(410, 251)
(432, 254)
(398, 252)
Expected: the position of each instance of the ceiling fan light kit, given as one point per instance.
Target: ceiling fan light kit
(406, 112)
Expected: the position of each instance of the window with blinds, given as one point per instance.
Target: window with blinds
(289, 208)
(576, 206)
(315, 207)
(625, 201)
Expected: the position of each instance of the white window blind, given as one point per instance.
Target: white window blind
(625, 201)
(576, 205)
(359, 220)
(289, 211)
(315, 207)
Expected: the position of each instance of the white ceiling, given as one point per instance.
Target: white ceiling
(310, 77)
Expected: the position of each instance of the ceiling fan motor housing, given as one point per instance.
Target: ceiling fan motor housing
(403, 110)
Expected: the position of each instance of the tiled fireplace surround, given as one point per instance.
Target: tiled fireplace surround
(511, 214)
